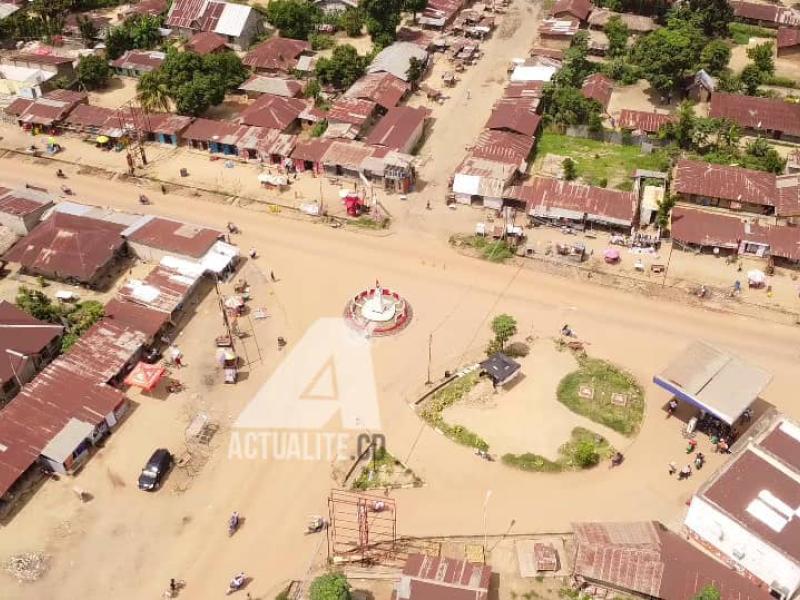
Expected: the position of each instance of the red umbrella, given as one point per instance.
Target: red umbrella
(145, 376)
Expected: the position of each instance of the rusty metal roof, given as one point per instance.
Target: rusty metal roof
(524, 89)
(277, 86)
(84, 116)
(720, 181)
(140, 60)
(354, 111)
(397, 127)
(22, 334)
(68, 246)
(439, 578)
(598, 87)
(759, 11)
(579, 9)
(205, 42)
(384, 89)
(23, 201)
(103, 351)
(788, 37)
(705, 229)
(46, 110)
(185, 14)
(147, 7)
(649, 122)
(273, 142)
(544, 194)
(312, 149)
(274, 112)
(764, 114)
(141, 318)
(515, 114)
(276, 54)
(347, 154)
(503, 146)
(173, 236)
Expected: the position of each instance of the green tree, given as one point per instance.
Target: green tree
(729, 82)
(87, 29)
(414, 7)
(667, 54)
(570, 169)
(416, 69)
(80, 320)
(383, 18)
(586, 454)
(709, 592)
(664, 211)
(140, 32)
(712, 16)
(38, 305)
(761, 55)
(294, 18)
(93, 72)
(715, 57)
(330, 586)
(751, 77)
(227, 67)
(51, 14)
(352, 21)
(682, 129)
(180, 68)
(759, 154)
(566, 105)
(343, 67)
(504, 327)
(196, 96)
(617, 32)
(313, 90)
(153, 92)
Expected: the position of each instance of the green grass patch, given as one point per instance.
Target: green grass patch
(382, 472)
(367, 222)
(583, 450)
(604, 380)
(454, 391)
(597, 161)
(489, 249)
(781, 81)
(741, 32)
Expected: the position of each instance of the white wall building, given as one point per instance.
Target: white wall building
(748, 513)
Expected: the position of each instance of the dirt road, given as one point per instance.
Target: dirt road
(127, 544)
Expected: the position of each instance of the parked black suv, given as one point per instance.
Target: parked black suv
(155, 469)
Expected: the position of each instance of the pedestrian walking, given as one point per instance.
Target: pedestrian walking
(272, 276)
(177, 356)
(163, 189)
(673, 468)
(685, 472)
(469, 94)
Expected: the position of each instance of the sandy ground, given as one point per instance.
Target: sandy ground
(166, 534)
(638, 96)
(527, 417)
(784, 67)
(119, 92)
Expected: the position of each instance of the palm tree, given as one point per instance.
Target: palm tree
(152, 93)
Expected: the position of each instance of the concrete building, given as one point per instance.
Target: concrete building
(22, 209)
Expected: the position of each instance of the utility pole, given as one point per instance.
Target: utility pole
(430, 344)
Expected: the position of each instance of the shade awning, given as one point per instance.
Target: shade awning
(714, 381)
(145, 376)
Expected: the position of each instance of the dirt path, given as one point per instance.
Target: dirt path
(131, 553)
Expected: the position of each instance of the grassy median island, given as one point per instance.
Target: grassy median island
(583, 451)
(486, 247)
(384, 471)
(600, 391)
(433, 408)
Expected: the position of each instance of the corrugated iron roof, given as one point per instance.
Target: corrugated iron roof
(544, 193)
(23, 201)
(579, 9)
(141, 318)
(276, 54)
(396, 59)
(173, 236)
(140, 60)
(384, 89)
(398, 125)
(311, 150)
(705, 229)
(274, 112)
(649, 122)
(346, 154)
(23, 336)
(720, 181)
(68, 246)
(277, 86)
(205, 42)
(788, 37)
(773, 114)
(273, 142)
(185, 14)
(233, 19)
(351, 110)
(147, 7)
(598, 87)
(439, 578)
(515, 114)
(758, 11)
(503, 146)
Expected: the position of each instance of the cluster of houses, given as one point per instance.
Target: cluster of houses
(55, 408)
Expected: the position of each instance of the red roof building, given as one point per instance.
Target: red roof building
(206, 42)
(557, 199)
(746, 512)
(771, 116)
(26, 345)
(273, 112)
(383, 88)
(276, 54)
(277, 86)
(725, 187)
(307, 154)
(137, 62)
(21, 210)
(524, 89)
(645, 559)
(155, 237)
(579, 9)
(151, 8)
(517, 115)
(788, 41)
(598, 87)
(439, 578)
(400, 129)
(641, 120)
(504, 147)
(69, 247)
(352, 111)
(48, 110)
